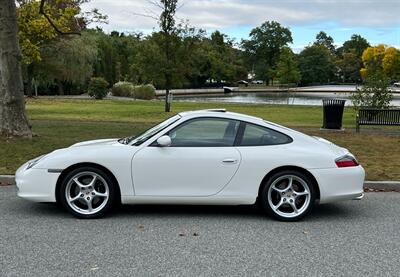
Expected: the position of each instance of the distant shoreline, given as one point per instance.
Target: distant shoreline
(311, 89)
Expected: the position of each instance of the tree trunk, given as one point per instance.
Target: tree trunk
(167, 93)
(29, 85)
(167, 74)
(60, 86)
(13, 120)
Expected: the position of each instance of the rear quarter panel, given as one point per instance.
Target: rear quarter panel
(258, 161)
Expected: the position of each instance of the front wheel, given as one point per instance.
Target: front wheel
(87, 192)
(288, 195)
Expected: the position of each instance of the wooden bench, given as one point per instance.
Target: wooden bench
(389, 117)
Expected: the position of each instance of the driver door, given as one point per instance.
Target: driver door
(201, 160)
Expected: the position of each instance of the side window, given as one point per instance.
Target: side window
(211, 132)
(257, 135)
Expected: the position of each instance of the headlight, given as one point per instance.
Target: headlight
(33, 162)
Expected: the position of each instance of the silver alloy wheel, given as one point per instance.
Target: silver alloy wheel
(289, 196)
(87, 192)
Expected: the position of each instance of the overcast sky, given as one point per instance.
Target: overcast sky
(378, 21)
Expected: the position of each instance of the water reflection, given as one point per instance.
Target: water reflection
(284, 98)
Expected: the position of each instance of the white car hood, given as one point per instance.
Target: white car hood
(95, 142)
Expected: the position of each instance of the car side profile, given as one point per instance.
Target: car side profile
(210, 157)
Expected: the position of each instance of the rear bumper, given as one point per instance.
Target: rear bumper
(337, 184)
(37, 185)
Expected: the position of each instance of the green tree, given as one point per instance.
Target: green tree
(323, 39)
(316, 65)
(349, 65)
(168, 40)
(67, 60)
(263, 48)
(118, 55)
(356, 43)
(195, 56)
(226, 63)
(287, 68)
(151, 65)
(349, 59)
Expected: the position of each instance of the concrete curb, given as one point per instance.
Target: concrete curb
(6, 180)
(382, 185)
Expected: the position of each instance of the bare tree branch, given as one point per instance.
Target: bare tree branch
(155, 3)
(41, 11)
(145, 15)
(180, 6)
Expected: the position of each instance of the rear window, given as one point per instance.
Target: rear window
(255, 135)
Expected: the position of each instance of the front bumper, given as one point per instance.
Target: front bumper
(336, 184)
(37, 185)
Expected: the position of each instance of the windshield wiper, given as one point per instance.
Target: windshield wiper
(140, 141)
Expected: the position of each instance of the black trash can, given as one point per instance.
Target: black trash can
(333, 113)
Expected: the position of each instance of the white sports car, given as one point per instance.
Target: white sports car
(199, 157)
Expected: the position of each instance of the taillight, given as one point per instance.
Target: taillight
(346, 161)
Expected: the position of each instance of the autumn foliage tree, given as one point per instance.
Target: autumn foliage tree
(35, 30)
(381, 64)
(381, 59)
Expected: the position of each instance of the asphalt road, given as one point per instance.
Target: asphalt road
(354, 238)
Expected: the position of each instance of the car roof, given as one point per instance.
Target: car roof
(221, 113)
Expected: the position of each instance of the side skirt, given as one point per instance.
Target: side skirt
(210, 200)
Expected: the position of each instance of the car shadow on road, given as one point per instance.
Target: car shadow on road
(320, 212)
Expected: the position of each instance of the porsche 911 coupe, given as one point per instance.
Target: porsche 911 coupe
(207, 157)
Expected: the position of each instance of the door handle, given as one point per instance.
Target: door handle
(230, 161)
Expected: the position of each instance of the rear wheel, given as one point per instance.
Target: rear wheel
(87, 192)
(288, 195)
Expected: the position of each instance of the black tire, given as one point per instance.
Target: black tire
(101, 176)
(294, 196)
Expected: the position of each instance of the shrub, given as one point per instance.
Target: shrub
(124, 89)
(145, 92)
(98, 87)
(373, 94)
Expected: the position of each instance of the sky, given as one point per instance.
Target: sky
(376, 20)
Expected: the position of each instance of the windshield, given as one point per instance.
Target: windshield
(150, 132)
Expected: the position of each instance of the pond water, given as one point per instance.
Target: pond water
(284, 98)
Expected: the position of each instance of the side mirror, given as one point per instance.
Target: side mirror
(164, 141)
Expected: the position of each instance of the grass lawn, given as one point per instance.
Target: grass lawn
(60, 123)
